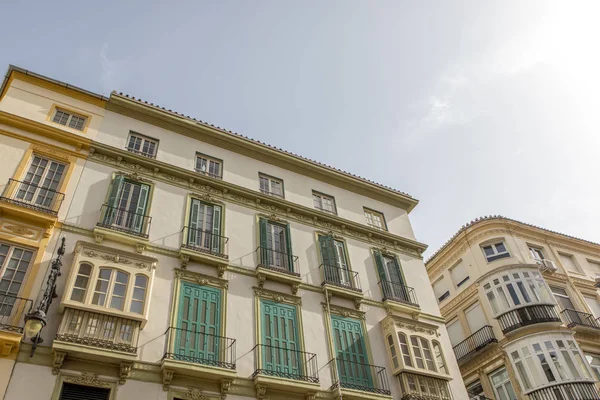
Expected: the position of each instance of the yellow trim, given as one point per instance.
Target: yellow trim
(72, 111)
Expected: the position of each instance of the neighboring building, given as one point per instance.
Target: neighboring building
(521, 307)
(201, 264)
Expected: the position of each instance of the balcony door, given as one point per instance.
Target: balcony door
(14, 263)
(335, 263)
(281, 347)
(351, 353)
(198, 324)
(127, 204)
(275, 244)
(205, 226)
(41, 182)
(392, 281)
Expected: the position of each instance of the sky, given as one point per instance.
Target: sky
(473, 107)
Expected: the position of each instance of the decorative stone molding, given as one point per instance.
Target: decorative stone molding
(225, 388)
(295, 287)
(261, 392)
(344, 312)
(58, 358)
(446, 308)
(140, 247)
(193, 394)
(201, 279)
(98, 238)
(18, 230)
(54, 153)
(87, 379)
(109, 255)
(134, 176)
(206, 197)
(277, 296)
(167, 378)
(310, 396)
(221, 270)
(274, 217)
(124, 371)
(185, 260)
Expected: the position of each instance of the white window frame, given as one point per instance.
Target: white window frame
(210, 163)
(370, 216)
(266, 185)
(143, 141)
(497, 255)
(590, 358)
(70, 118)
(502, 384)
(318, 202)
(537, 253)
(4, 265)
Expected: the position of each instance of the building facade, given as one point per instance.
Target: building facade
(521, 307)
(201, 264)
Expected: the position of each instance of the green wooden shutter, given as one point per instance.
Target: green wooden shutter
(379, 264)
(331, 265)
(280, 350)
(264, 243)
(192, 234)
(288, 244)
(351, 353)
(115, 189)
(140, 210)
(216, 229)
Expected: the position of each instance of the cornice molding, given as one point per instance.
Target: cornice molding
(221, 190)
(344, 312)
(278, 297)
(87, 379)
(201, 279)
(115, 256)
(447, 309)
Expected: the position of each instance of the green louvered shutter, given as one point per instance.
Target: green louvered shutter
(330, 261)
(351, 353)
(192, 234)
(290, 252)
(140, 210)
(280, 353)
(216, 230)
(115, 189)
(385, 286)
(265, 254)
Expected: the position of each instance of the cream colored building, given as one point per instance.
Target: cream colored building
(201, 264)
(521, 307)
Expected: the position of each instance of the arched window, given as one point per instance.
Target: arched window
(81, 283)
(139, 294)
(422, 352)
(392, 351)
(439, 358)
(404, 350)
(111, 283)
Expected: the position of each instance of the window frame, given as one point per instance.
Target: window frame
(537, 253)
(271, 179)
(493, 245)
(322, 196)
(503, 383)
(22, 292)
(144, 139)
(208, 159)
(372, 213)
(595, 368)
(56, 109)
(451, 272)
(578, 269)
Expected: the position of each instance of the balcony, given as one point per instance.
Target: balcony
(19, 196)
(527, 315)
(398, 293)
(124, 221)
(199, 354)
(12, 313)
(341, 282)
(579, 320)
(140, 152)
(97, 336)
(358, 380)
(277, 266)
(269, 193)
(285, 369)
(422, 387)
(204, 246)
(474, 343)
(208, 173)
(567, 391)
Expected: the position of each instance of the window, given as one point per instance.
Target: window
(475, 391)
(275, 245)
(280, 339)
(593, 304)
(440, 288)
(324, 202)
(439, 358)
(204, 227)
(392, 279)
(143, 145)
(111, 284)
(459, 274)
(562, 298)
(475, 317)
(495, 251)
(594, 362)
(139, 294)
(422, 353)
(69, 119)
(126, 206)
(375, 219)
(404, 349)
(350, 350)
(537, 254)
(271, 186)
(510, 289)
(14, 264)
(81, 283)
(41, 183)
(455, 332)
(595, 266)
(71, 391)
(335, 265)
(423, 387)
(502, 386)
(209, 166)
(393, 354)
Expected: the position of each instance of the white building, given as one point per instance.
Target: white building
(202, 264)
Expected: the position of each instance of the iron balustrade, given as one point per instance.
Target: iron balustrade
(205, 241)
(216, 176)
(277, 261)
(423, 387)
(528, 315)
(326, 210)
(140, 152)
(99, 330)
(265, 191)
(12, 312)
(398, 292)
(357, 376)
(342, 277)
(285, 363)
(123, 220)
(474, 343)
(567, 391)
(573, 318)
(33, 196)
(200, 348)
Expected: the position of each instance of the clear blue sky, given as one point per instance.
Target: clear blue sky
(475, 108)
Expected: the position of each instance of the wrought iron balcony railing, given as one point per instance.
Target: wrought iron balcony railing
(278, 261)
(207, 173)
(358, 376)
(285, 363)
(122, 220)
(342, 277)
(574, 318)
(528, 315)
(333, 212)
(205, 242)
(12, 312)
(276, 194)
(140, 152)
(35, 197)
(422, 387)
(567, 391)
(104, 331)
(200, 348)
(474, 343)
(397, 292)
